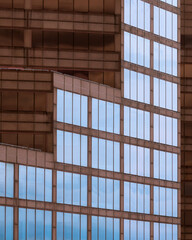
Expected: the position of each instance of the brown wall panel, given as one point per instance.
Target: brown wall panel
(66, 5)
(37, 4)
(18, 3)
(50, 4)
(81, 41)
(109, 6)
(96, 6)
(9, 101)
(5, 37)
(81, 5)
(66, 40)
(6, 3)
(96, 42)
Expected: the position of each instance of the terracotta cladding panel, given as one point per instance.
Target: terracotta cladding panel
(26, 118)
(186, 129)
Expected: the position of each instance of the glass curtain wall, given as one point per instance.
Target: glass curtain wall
(150, 87)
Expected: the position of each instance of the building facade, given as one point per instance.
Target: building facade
(90, 120)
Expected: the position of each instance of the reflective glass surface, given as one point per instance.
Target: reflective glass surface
(71, 226)
(136, 123)
(165, 165)
(165, 23)
(105, 154)
(165, 231)
(6, 223)
(71, 188)
(137, 14)
(165, 201)
(171, 2)
(72, 108)
(136, 160)
(6, 180)
(136, 86)
(35, 224)
(165, 59)
(105, 116)
(136, 230)
(72, 148)
(136, 197)
(103, 228)
(105, 193)
(165, 130)
(136, 49)
(165, 94)
(35, 183)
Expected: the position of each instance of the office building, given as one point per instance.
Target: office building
(90, 125)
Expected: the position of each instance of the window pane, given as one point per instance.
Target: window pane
(60, 105)
(60, 225)
(39, 224)
(22, 224)
(30, 224)
(40, 184)
(9, 223)
(84, 111)
(59, 187)
(68, 188)
(68, 107)
(95, 111)
(48, 185)
(2, 222)
(76, 109)
(31, 183)
(22, 182)
(67, 226)
(76, 227)
(48, 225)
(2, 179)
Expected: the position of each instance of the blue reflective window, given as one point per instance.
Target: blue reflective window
(136, 230)
(171, 2)
(71, 226)
(30, 224)
(165, 165)
(31, 183)
(165, 201)
(165, 231)
(22, 224)
(105, 116)
(136, 123)
(105, 193)
(165, 94)
(165, 130)
(168, 26)
(105, 228)
(136, 86)
(136, 160)
(71, 188)
(165, 59)
(140, 197)
(35, 224)
(6, 180)
(35, 183)
(40, 184)
(72, 148)
(105, 154)
(136, 49)
(40, 224)
(6, 223)
(72, 108)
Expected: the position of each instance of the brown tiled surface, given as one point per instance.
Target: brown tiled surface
(78, 42)
(186, 119)
(26, 109)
